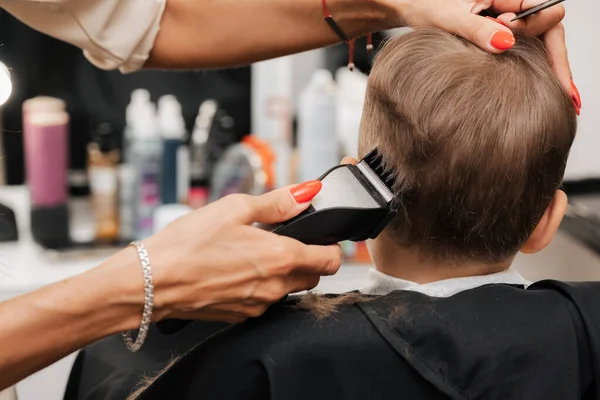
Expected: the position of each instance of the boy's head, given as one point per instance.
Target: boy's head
(478, 141)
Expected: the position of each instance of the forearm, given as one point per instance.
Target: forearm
(42, 327)
(209, 33)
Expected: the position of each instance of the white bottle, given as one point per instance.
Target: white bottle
(139, 105)
(146, 156)
(318, 146)
(172, 130)
(352, 88)
(272, 111)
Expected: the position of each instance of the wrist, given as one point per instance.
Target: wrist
(124, 294)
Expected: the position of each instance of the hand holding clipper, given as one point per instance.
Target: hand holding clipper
(355, 203)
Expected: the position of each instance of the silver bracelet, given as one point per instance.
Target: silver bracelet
(148, 300)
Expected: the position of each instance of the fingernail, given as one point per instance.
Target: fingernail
(306, 191)
(495, 20)
(502, 40)
(577, 110)
(575, 95)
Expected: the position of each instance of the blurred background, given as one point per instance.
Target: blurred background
(93, 159)
(99, 158)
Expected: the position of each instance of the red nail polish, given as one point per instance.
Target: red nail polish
(502, 40)
(575, 95)
(495, 20)
(305, 192)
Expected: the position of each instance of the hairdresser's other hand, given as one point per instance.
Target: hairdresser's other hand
(546, 24)
(214, 265)
(460, 18)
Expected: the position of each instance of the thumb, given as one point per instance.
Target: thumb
(283, 204)
(486, 32)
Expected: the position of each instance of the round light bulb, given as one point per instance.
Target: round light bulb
(5, 84)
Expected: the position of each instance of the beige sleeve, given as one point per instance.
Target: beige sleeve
(112, 33)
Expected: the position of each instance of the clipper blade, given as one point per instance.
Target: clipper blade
(379, 176)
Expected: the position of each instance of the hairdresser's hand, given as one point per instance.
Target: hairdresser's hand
(214, 265)
(546, 24)
(460, 18)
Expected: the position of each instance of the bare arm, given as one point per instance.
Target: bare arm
(208, 33)
(42, 327)
(205, 266)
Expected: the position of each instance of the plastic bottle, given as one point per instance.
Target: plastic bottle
(172, 130)
(103, 160)
(145, 151)
(46, 153)
(318, 147)
(199, 176)
(352, 88)
(272, 112)
(139, 105)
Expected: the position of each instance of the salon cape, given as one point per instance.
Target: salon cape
(112, 33)
(497, 341)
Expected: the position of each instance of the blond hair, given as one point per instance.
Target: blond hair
(478, 142)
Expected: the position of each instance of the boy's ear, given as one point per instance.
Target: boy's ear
(548, 225)
(349, 160)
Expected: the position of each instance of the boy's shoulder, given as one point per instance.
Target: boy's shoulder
(468, 345)
(479, 339)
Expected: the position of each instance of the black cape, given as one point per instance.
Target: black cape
(492, 342)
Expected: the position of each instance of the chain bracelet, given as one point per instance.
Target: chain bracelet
(148, 301)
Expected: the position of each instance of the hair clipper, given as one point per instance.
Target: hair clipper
(355, 203)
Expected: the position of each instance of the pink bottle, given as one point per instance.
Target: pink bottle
(46, 144)
(45, 127)
(46, 155)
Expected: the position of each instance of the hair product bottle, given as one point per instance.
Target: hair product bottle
(272, 112)
(139, 105)
(172, 130)
(318, 147)
(145, 151)
(103, 160)
(351, 92)
(46, 153)
(199, 174)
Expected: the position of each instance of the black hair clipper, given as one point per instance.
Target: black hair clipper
(355, 203)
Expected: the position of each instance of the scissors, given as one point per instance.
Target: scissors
(527, 12)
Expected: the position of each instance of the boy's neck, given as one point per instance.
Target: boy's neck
(402, 263)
